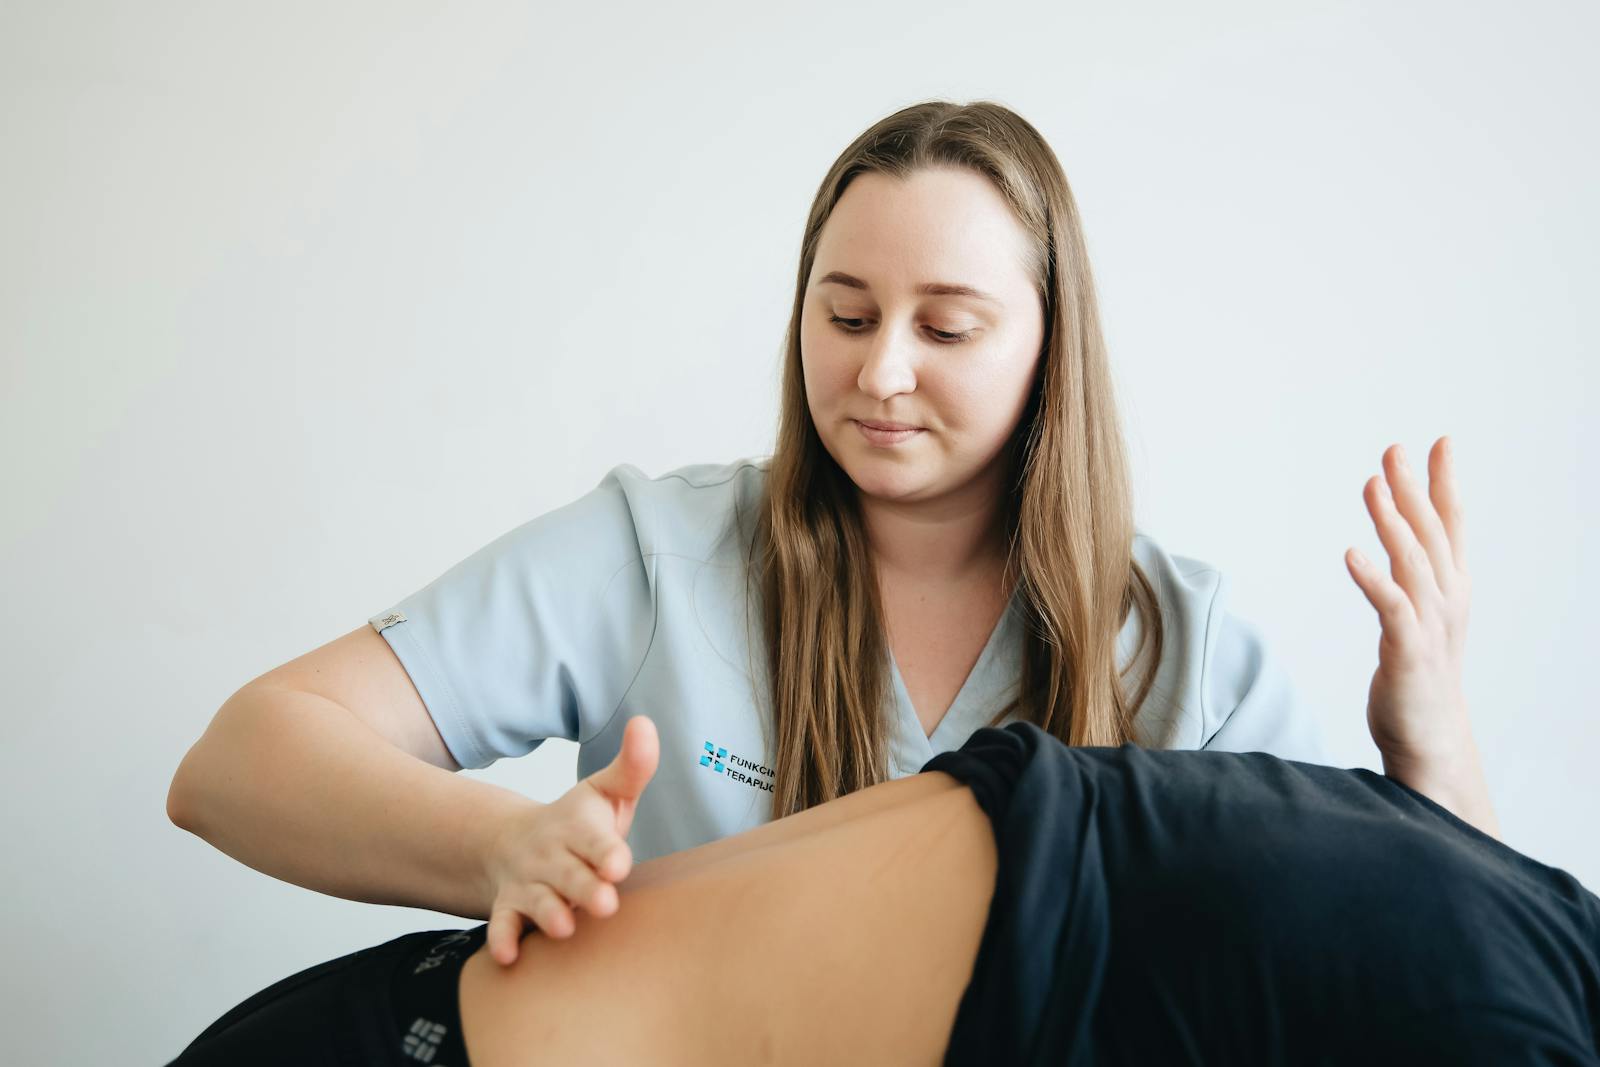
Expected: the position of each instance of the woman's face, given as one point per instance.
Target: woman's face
(957, 365)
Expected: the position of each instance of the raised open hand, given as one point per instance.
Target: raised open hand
(1416, 707)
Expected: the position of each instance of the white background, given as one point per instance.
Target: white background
(304, 302)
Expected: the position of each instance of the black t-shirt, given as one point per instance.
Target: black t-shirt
(1158, 907)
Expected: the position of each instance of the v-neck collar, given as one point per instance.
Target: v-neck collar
(911, 746)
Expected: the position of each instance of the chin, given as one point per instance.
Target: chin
(885, 480)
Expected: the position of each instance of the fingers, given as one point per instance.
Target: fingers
(583, 888)
(1446, 492)
(1394, 607)
(504, 936)
(1423, 534)
(551, 907)
(625, 777)
(570, 854)
(607, 853)
(1432, 519)
(623, 780)
(547, 910)
(1407, 559)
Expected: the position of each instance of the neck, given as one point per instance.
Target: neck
(952, 539)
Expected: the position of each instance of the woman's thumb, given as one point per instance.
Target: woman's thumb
(625, 777)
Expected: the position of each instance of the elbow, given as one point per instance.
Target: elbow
(180, 802)
(192, 771)
(177, 811)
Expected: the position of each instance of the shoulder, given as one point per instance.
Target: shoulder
(1181, 583)
(695, 485)
(1190, 595)
(688, 510)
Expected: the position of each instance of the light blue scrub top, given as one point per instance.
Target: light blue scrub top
(631, 601)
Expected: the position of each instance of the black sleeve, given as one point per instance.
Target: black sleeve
(1473, 1035)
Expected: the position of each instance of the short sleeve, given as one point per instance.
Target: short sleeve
(1247, 698)
(538, 634)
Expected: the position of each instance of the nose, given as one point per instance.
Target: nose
(889, 366)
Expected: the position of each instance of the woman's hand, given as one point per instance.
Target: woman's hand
(1416, 706)
(569, 854)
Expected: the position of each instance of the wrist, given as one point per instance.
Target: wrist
(1443, 760)
(1450, 775)
(485, 839)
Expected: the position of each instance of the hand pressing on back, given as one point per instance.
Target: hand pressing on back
(567, 855)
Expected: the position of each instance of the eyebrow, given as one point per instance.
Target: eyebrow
(928, 288)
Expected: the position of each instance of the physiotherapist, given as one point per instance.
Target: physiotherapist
(942, 539)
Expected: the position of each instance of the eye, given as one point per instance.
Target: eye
(945, 337)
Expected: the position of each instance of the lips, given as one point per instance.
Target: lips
(887, 438)
(889, 426)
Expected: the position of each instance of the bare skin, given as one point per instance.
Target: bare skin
(842, 934)
(936, 633)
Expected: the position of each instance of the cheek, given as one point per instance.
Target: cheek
(980, 400)
(808, 355)
(825, 363)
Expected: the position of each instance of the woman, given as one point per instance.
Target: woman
(1019, 902)
(807, 627)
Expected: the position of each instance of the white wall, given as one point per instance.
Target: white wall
(302, 303)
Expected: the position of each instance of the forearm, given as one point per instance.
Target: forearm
(297, 787)
(1452, 778)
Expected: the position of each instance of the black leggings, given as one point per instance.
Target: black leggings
(392, 1004)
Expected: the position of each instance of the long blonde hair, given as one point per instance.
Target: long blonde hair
(1068, 512)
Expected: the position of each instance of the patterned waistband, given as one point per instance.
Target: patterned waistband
(424, 992)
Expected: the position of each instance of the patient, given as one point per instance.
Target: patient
(1019, 901)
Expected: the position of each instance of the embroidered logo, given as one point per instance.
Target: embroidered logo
(718, 760)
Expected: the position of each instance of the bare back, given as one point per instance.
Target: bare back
(843, 934)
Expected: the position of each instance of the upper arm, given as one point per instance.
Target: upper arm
(361, 673)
